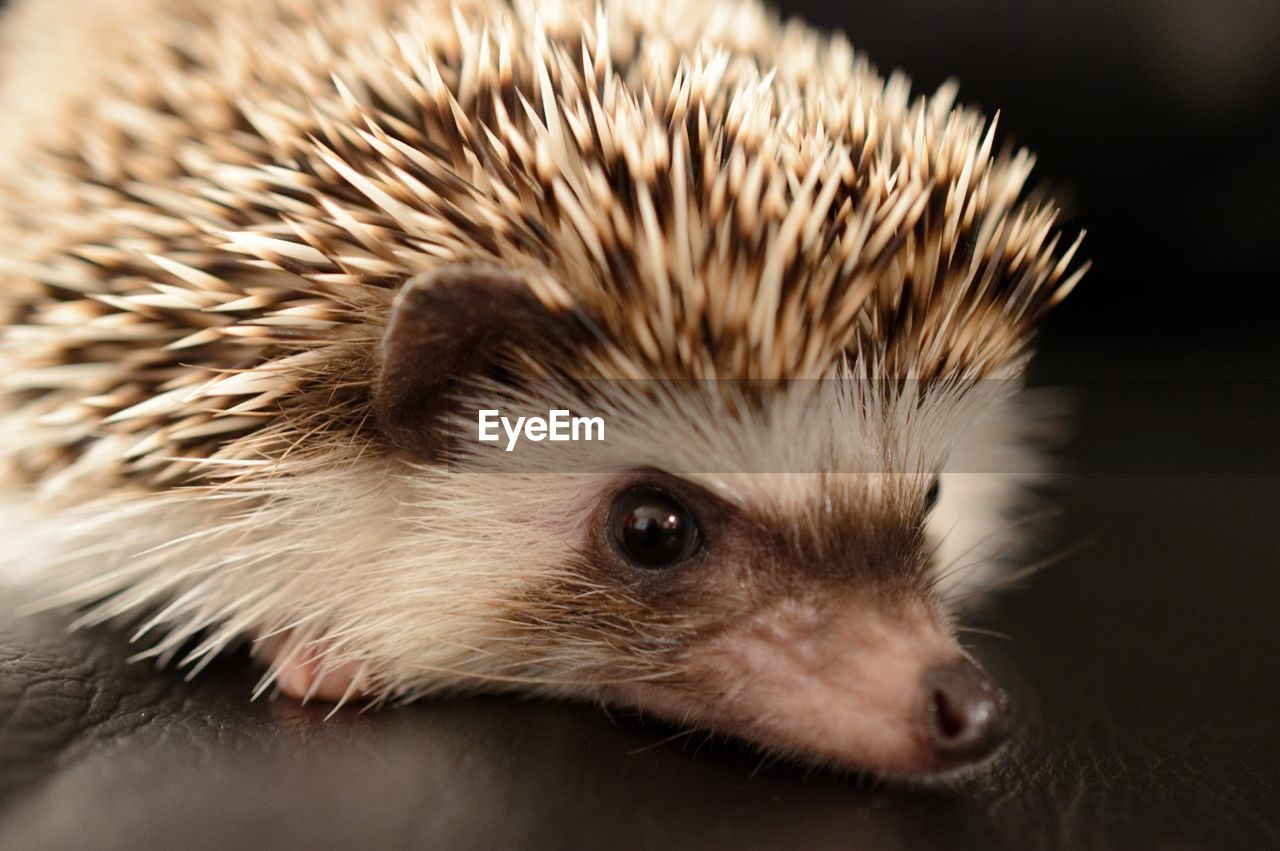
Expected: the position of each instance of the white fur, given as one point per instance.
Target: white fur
(409, 569)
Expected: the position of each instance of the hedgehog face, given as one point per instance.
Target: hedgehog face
(796, 611)
(806, 624)
(751, 557)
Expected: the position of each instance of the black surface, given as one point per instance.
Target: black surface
(1144, 667)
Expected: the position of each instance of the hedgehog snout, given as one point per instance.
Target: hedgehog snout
(966, 715)
(857, 686)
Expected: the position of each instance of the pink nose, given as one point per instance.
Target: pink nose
(967, 716)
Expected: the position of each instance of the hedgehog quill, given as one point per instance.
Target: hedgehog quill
(260, 258)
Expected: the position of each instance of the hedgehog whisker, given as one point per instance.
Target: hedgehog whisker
(1005, 582)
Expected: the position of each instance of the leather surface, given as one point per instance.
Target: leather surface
(1144, 668)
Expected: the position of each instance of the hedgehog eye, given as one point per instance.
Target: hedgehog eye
(653, 529)
(931, 497)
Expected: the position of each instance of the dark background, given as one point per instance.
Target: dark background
(1145, 667)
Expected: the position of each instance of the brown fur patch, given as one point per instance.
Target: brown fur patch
(862, 555)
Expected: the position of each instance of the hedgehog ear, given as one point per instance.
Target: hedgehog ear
(445, 326)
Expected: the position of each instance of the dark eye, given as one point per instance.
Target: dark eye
(931, 497)
(652, 529)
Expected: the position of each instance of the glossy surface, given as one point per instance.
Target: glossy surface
(653, 530)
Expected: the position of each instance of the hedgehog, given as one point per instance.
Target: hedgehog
(265, 261)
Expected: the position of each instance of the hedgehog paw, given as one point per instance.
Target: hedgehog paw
(304, 673)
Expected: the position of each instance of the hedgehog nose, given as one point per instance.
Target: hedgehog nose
(967, 715)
